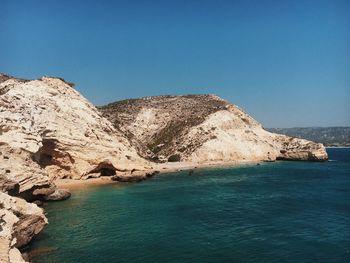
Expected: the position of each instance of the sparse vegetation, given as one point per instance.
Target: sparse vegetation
(174, 116)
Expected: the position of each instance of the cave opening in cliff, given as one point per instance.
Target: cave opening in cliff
(104, 168)
(107, 172)
(45, 155)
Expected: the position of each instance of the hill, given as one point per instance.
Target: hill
(329, 136)
(201, 128)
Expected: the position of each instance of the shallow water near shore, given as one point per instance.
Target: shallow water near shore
(273, 212)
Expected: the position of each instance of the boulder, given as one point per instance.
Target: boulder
(57, 195)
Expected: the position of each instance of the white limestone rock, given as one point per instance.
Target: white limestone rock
(20, 221)
(202, 129)
(66, 134)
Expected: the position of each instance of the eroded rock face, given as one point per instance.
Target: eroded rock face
(294, 149)
(156, 126)
(137, 176)
(202, 128)
(64, 133)
(8, 186)
(48, 131)
(57, 195)
(19, 222)
(20, 175)
(26, 228)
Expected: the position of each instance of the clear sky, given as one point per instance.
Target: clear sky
(287, 63)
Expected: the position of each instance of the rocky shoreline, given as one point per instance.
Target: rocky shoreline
(50, 133)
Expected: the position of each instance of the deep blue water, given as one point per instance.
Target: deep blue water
(275, 212)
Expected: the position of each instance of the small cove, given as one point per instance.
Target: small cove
(283, 211)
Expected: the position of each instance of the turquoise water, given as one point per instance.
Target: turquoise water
(275, 212)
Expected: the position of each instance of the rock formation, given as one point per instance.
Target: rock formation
(48, 131)
(21, 176)
(19, 222)
(202, 128)
(64, 133)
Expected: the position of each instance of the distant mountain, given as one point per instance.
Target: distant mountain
(329, 136)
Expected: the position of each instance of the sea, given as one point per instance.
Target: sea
(273, 212)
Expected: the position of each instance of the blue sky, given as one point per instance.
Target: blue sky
(287, 63)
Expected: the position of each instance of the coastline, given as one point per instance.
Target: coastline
(41, 250)
(337, 147)
(74, 184)
(181, 166)
(163, 168)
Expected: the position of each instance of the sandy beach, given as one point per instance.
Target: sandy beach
(74, 184)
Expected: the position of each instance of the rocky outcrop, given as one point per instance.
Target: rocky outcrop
(202, 128)
(294, 149)
(48, 131)
(20, 221)
(63, 132)
(137, 176)
(8, 186)
(21, 176)
(57, 195)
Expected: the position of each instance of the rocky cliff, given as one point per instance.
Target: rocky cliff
(202, 128)
(49, 131)
(63, 132)
(20, 221)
